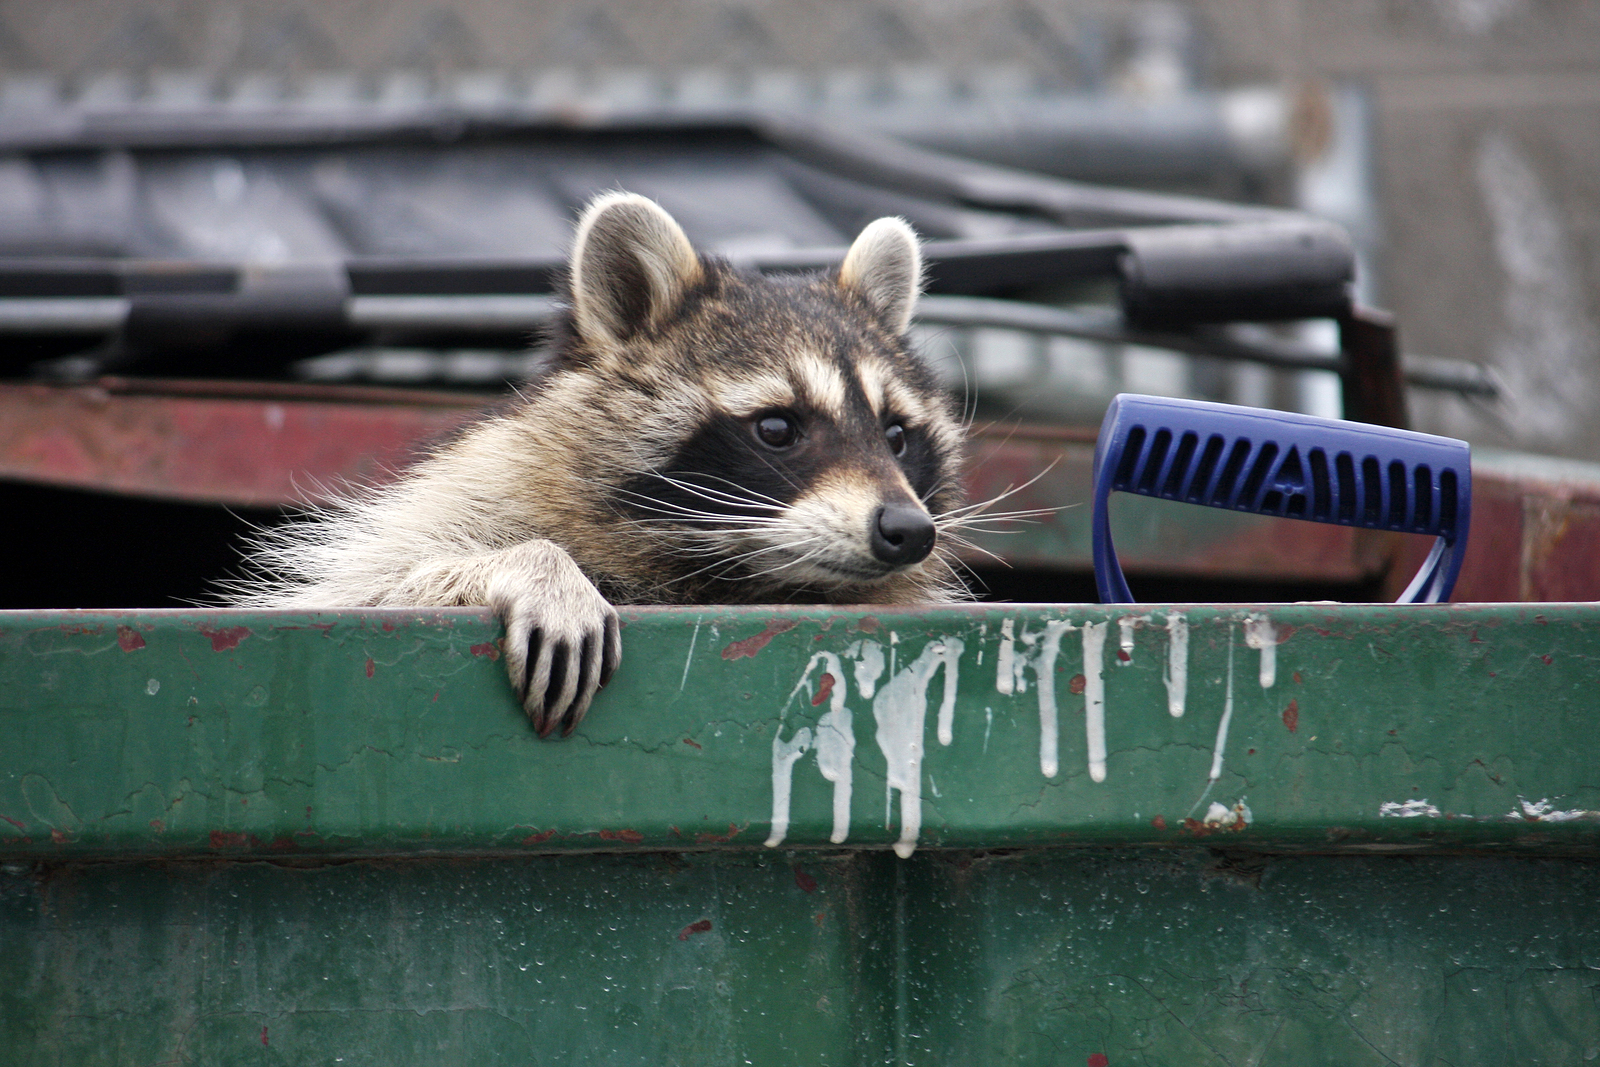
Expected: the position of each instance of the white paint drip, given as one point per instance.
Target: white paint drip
(1177, 672)
(947, 706)
(1004, 677)
(1234, 818)
(1044, 669)
(834, 743)
(689, 658)
(1227, 718)
(901, 709)
(784, 755)
(1407, 809)
(1125, 627)
(1259, 633)
(988, 724)
(869, 665)
(1094, 696)
(1544, 811)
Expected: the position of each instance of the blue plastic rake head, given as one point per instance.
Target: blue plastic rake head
(1280, 463)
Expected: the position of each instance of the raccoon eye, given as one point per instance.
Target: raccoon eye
(896, 436)
(777, 430)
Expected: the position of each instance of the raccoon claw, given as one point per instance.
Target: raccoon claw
(560, 654)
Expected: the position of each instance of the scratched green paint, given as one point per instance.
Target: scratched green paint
(341, 833)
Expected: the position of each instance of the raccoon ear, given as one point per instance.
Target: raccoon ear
(631, 265)
(884, 267)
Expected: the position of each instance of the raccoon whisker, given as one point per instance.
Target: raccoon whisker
(668, 515)
(721, 551)
(962, 542)
(983, 505)
(956, 561)
(747, 498)
(785, 566)
(677, 511)
(744, 491)
(976, 522)
(744, 498)
(726, 564)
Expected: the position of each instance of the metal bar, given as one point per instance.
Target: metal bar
(1374, 390)
(391, 732)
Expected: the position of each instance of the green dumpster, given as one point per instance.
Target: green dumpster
(997, 834)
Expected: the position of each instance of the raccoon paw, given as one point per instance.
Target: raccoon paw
(563, 641)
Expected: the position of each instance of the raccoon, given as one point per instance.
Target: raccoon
(697, 434)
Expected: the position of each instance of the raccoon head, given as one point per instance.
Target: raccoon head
(775, 438)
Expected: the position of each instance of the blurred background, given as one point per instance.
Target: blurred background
(299, 145)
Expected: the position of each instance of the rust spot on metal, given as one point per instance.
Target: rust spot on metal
(129, 639)
(824, 689)
(225, 839)
(263, 1037)
(868, 624)
(539, 838)
(1076, 684)
(1099, 1060)
(1297, 679)
(750, 646)
(371, 667)
(1159, 823)
(158, 826)
(701, 927)
(633, 837)
(13, 822)
(691, 742)
(1546, 660)
(388, 626)
(1124, 655)
(1291, 716)
(488, 648)
(806, 883)
(226, 638)
(710, 838)
(284, 843)
(60, 837)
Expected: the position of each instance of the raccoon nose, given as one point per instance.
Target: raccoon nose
(902, 535)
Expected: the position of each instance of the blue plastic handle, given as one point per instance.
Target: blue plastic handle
(1282, 463)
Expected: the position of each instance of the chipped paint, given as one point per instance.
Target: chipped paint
(226, 638)
(751, 646)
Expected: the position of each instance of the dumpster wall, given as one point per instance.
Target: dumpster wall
(269, 837)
